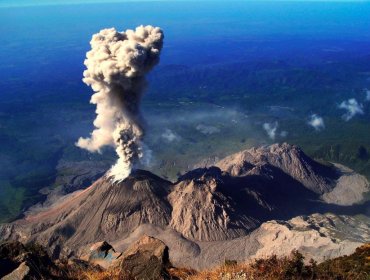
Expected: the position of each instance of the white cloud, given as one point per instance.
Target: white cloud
(206, 129)
(367, 91)
(353, 108)
(170, 136)
(316, 122)
(270, 129)
(284, 133)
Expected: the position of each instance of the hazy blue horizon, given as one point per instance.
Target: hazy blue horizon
(59, 38)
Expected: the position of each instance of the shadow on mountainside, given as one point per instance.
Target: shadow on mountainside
(270, 195)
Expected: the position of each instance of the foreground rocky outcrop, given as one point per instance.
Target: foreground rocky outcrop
(247, 205)
(148, 259)
(19, 261)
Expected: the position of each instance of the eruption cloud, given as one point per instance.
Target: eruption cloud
(116, 67)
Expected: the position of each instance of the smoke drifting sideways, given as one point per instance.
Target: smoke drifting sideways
(116, 67)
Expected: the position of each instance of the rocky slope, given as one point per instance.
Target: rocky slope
(233, 210)
(319, 236)
(290, 159)
(335, 183)
(203, 209)
(148, 259)
(105, 210)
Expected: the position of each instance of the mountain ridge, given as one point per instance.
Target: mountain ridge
(233, 202)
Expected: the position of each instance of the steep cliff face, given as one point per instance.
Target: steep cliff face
(217, 205)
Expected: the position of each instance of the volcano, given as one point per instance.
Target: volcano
(237, 209)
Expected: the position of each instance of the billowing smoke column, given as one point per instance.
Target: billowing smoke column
(116, 67)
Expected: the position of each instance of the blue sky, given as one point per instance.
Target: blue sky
(17, 3)
(20, 3)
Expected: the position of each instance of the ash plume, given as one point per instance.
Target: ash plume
(116, 67)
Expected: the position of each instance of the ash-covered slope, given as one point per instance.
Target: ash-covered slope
(104, 211)
(206, 205)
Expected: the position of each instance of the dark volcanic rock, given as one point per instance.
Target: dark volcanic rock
(19, 261)
(146, 259)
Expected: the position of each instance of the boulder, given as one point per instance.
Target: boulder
(22, 272)
(147, 259)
